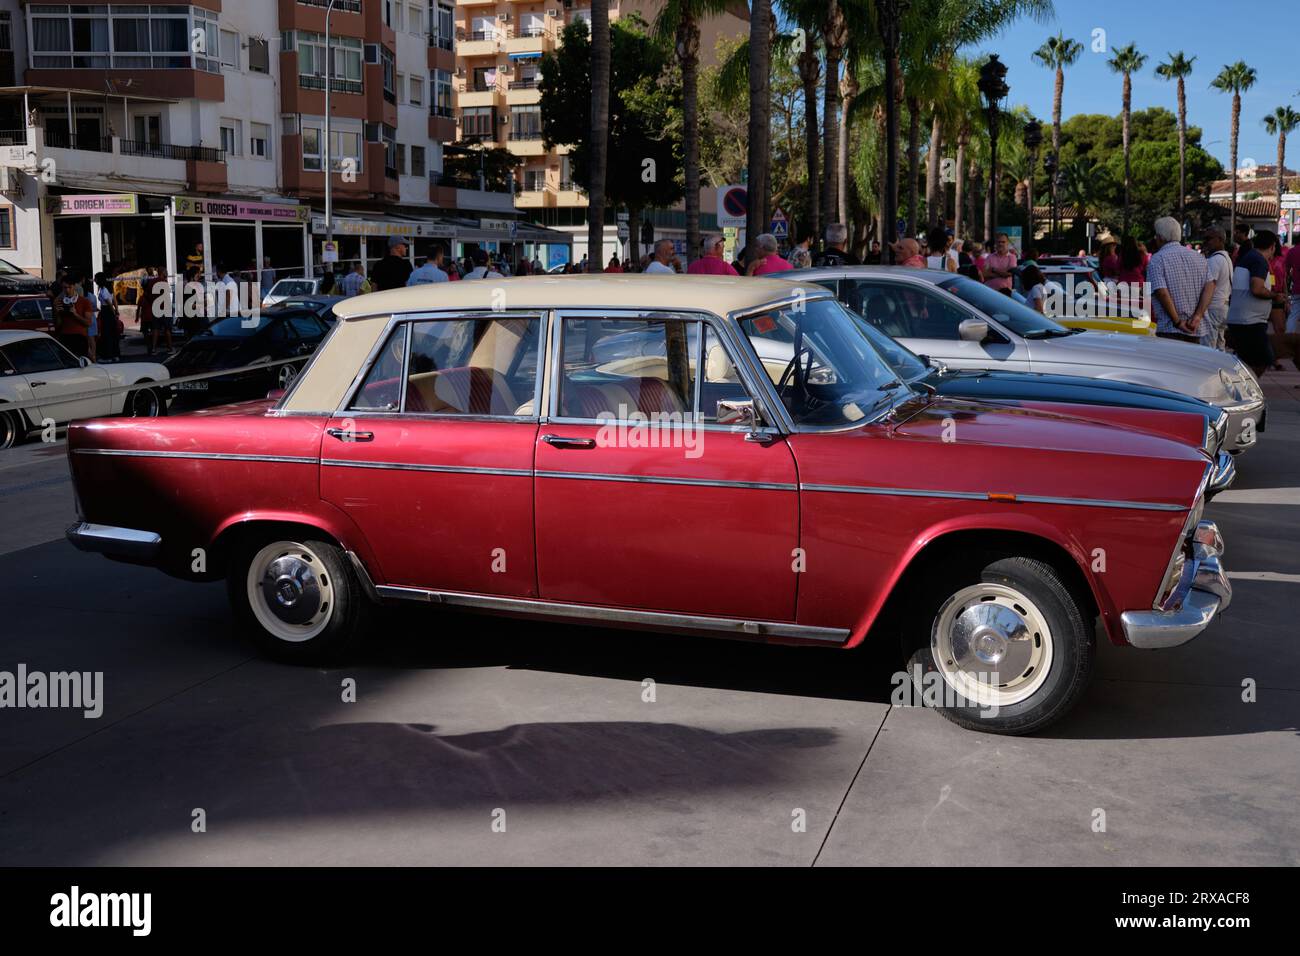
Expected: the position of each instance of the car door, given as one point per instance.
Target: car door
(643, 499)
(65, 389)
(432, 456)
(928, 322)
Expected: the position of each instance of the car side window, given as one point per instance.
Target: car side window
(902, 311)
(306, 326)
(617, 368)
(29, 356)
(26, 309)
(473, 367)
(381, 391)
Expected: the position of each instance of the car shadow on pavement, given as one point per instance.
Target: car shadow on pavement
(423, 637)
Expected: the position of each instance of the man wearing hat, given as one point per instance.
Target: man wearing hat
(711, 262)
(392, 271)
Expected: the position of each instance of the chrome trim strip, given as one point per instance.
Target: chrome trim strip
(204, 455)
(402, 466)
(983, 496)
(723, 626)
(655, 480)
(359, 568)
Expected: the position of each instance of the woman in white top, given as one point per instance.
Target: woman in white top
(1035, 286)
(941, 255)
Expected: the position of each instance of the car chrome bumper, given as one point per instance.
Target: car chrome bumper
(1203, 591)
(115, 542)
(1240, 434)
(1224, 474)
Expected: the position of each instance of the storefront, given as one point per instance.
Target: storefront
(95, 232)
(238, 234)
(366, 240)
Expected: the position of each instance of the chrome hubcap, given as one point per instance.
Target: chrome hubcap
(992, 644)
(290, 591)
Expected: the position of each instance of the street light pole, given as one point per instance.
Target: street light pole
(329, 172)
(993, 86)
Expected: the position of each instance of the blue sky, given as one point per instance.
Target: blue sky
(1215, 33)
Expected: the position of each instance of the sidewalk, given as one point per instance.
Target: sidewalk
(1282, 386)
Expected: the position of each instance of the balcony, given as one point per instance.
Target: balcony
(310, 81)
(523, 92)
(524, 143)
(346, 6)
(534, 196)
(477, 42)
(442, 43)
(532, 40)
(62, 139)
(203, 154)
(471, 97)
(113, 164)
(570, 194)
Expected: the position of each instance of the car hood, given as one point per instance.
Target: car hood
(1135, 351)
(1048, 387)
(957, 421)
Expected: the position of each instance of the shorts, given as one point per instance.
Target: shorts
(1251, 344)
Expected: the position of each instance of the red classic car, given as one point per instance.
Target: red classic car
(612, 449)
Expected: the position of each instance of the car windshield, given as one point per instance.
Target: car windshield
(238, 325)
(9, 269)
(824, 366)
(294, 287)
(906, 364)
(1017, 317)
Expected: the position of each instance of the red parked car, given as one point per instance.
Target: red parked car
(484, 445)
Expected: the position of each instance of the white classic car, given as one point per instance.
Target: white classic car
(36, 368)
(966, 325)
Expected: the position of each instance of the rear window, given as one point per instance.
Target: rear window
(294, 287)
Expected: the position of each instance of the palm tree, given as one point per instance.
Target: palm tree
(600, 79)
(679, 21)
(1234, 78)
(1279, 123)
(1178, 67)
(1127, 61)
(1057, 53)
(761, 27)
(835, 34)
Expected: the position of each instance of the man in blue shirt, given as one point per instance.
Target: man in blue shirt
(429, 271)
(1253, 298)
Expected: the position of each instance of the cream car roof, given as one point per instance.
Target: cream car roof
(718, 294)
(362, 319)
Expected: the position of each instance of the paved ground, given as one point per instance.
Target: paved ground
(459, 720)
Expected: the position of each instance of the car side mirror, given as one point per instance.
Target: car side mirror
(737, 412)
(973, 330)
(84, 362)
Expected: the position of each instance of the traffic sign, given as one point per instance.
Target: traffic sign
(624, 232)
(733, 206)
(780, 227)
(1291, 200)
(901, 226)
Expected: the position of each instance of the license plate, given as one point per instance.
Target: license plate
(192, 386)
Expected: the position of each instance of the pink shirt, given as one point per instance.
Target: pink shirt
(1292, 262)
(1003, 264)
(710, 266)
(772, 263)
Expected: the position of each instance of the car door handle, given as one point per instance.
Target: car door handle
(557, 441)
(348, 434)
(35, 384)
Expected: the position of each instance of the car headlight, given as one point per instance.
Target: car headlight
(1182, 551)
(1230, 385)
(1249, 383)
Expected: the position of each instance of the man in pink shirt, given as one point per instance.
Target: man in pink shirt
(711, 263)
(769, 260)
(999, 263)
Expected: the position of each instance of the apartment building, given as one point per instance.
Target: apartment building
(131, 134)
(499, 48)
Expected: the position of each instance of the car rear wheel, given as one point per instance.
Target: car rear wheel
(144, 403)
(299, 599)
(12, 431)
(1004, 647)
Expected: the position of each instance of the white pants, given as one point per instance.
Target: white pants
(1212, 326)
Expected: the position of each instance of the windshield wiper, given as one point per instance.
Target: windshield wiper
(889, 386)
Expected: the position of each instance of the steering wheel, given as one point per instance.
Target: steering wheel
(799, 371)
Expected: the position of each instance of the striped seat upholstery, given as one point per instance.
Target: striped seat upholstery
(646, 395)
(468, 391)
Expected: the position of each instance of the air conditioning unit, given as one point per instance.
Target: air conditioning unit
(507, 17)
(11, 182)
(554, 14)
(460, 71)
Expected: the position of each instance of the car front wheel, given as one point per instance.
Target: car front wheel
(12, 430)
(299, 599)
(1004, 647)
(145, 403)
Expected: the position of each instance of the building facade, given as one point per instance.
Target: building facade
(131, 134)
